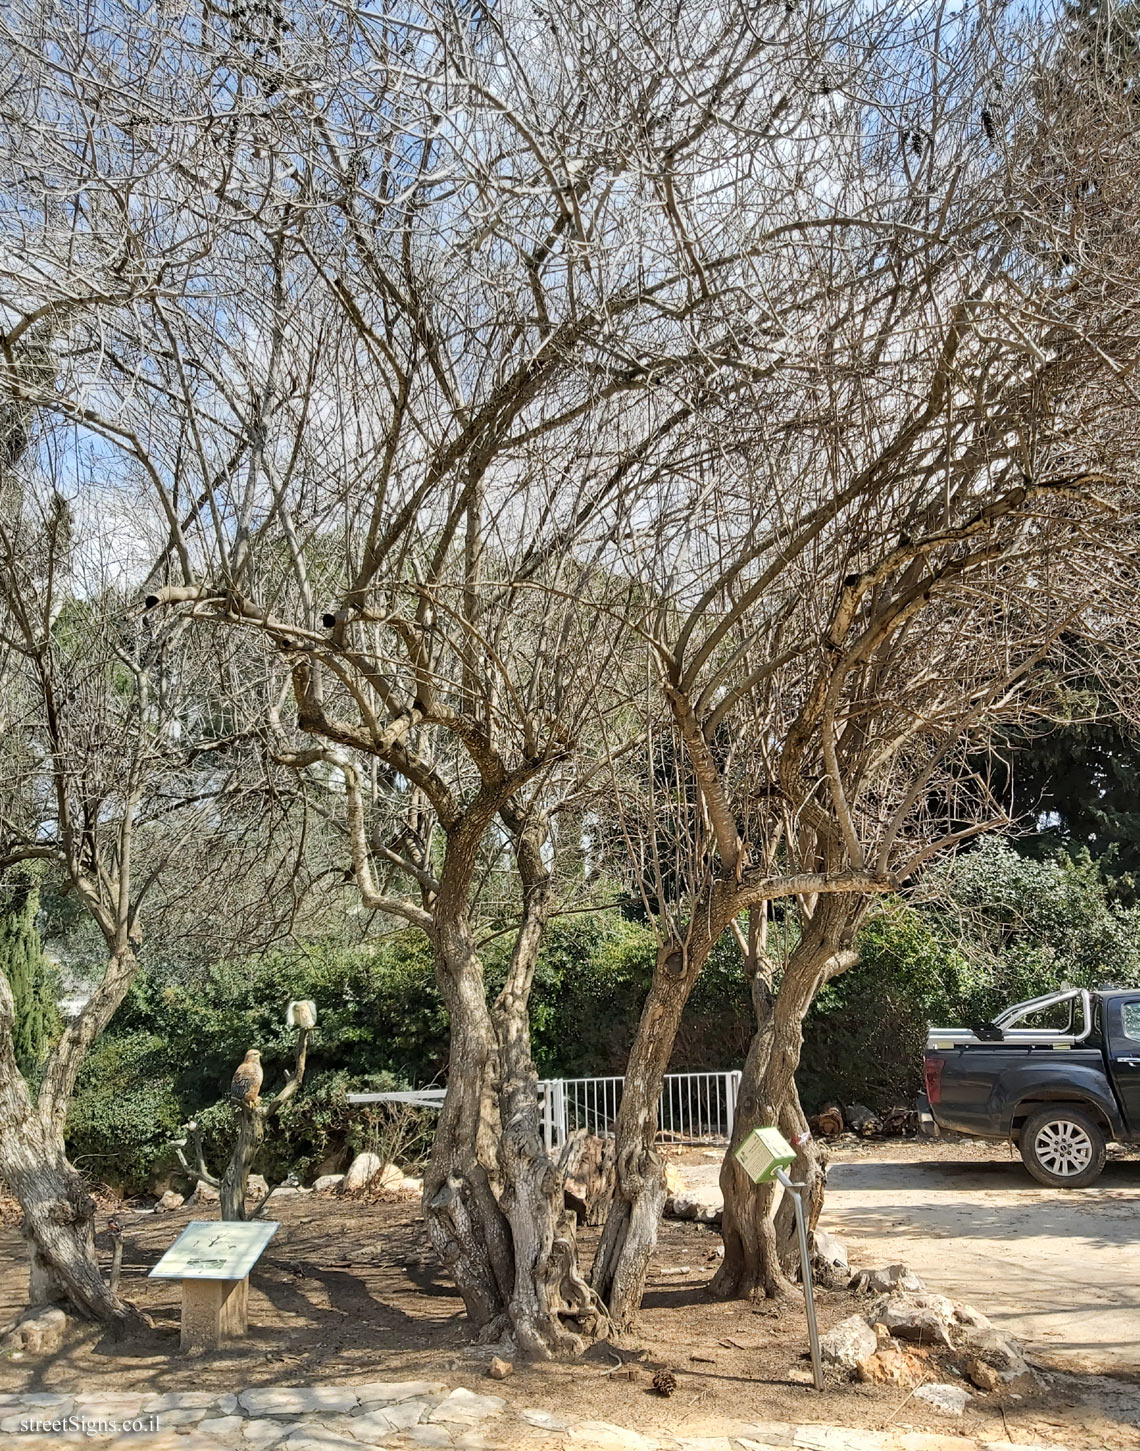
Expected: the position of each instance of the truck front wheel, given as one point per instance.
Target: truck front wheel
(1062, 1146)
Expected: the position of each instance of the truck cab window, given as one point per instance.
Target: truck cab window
(1130, 1020)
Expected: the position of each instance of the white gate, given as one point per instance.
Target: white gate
(694, 1108)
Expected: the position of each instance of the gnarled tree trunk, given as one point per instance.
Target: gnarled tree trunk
(548, 1287)
(465, 1222)
(58, 1212)
(630, 1234)
(758, 1228)
(493, 1195)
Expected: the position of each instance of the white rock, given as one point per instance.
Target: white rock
(39, 1331)
(188, 1416)
(829, 1248)
(603, 1436)
(847, 1343)
(544, 1420)
(839, 1438)
(169, 1202)
(362, 1171)
(704, 1205)
(374, 1425)
(204, 1196)
(923, 1317)
(221, 1426)
(398, 1390)
(769, 1433)
(260, 1433)
(427, 1436)
(315, 1437)
(298, 1400)
(54, 1401)
(947, 1400)
(1001, 1352)
(890, 1277)
(465, 1406)
(110, 1405)
(328, 1182)
(179, 1401)
(256, 1186)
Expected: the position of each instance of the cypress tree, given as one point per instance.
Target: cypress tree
(29, 975)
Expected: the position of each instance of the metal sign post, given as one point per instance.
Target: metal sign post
(764, 1156)
(805, 1271)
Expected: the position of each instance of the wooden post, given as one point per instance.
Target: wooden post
(213, 1311)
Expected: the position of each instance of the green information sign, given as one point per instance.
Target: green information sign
(215, 1250)
(763, 1152)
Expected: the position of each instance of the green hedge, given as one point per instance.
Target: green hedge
(999, 929)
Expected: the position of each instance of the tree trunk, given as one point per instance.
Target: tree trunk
(758, 1227)
(252, 1120)
(465, 1223)
(59, 1214)
(548, 1286)
(250, 1137)
(630, 1234)
(59, 1220)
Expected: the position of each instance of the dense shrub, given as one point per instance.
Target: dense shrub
(125, 1109)
(1000, 929)
(997, 929)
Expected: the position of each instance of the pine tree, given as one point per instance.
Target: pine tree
(29, 975)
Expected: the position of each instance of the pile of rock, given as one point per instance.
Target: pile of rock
(369, 1171)
(893, 1341)
(704, 1203)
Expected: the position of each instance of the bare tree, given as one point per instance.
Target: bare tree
(483, 367)
(936, 512)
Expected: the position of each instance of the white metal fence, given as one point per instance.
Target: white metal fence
(694, 1108)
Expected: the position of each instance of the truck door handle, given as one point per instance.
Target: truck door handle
(1132, 1062)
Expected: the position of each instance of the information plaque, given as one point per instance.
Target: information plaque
(215, 1250)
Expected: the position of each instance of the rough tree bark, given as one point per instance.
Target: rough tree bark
(58, 1213)
(758, 1227)
(493, 1196)
(465, 1222)
(548, 1287)
(630, 1234)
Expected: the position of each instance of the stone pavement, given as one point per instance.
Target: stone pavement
(396, 1414)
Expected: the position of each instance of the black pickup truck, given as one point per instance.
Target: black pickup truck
(1059, 1076)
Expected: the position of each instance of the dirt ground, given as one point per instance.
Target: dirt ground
(347, 1291)
(1058, 1268)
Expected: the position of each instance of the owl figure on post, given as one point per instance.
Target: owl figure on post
(301, 1013)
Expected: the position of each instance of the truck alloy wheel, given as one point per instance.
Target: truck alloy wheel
(1062, 1146)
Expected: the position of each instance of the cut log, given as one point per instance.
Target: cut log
(863, 1121)
(828, 1124)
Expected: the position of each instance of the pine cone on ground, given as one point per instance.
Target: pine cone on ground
(664, 1382)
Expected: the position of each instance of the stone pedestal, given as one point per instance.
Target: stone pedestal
(213, 1311)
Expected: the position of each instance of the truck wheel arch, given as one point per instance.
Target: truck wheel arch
(1033, 1101)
